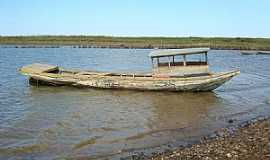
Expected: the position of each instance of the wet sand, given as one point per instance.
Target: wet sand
(250, 141)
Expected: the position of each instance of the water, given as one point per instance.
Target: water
(54, 123)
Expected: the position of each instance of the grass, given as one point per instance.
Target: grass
(138, 42)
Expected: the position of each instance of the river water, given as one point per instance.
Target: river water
(63, 122)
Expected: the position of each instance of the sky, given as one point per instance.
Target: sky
(172, 18)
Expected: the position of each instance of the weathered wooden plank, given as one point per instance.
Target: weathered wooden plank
(38, 68)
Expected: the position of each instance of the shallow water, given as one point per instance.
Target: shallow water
(51, 123)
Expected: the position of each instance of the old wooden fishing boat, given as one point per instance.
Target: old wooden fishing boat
(255, 52)
(172, 71)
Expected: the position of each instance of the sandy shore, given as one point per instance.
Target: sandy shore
(251, 141)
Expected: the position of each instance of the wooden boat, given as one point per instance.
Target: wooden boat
(169, 74)
(255, 52)
(249, 52)
(264, 52)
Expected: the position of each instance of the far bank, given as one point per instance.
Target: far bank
(135, 42)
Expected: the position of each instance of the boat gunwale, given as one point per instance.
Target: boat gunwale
(150, 78)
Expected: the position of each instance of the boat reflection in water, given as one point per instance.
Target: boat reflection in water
(98, 123)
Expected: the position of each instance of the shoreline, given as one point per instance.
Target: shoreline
(249, 140)
(218, 43)
(245, 51)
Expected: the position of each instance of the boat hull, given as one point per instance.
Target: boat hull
(103, 81)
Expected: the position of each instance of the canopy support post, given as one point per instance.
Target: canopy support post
(169, 62)
(206, 58)
(185, 63)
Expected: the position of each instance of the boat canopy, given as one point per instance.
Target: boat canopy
(174, 52)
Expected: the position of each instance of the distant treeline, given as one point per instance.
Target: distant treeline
(136, 42)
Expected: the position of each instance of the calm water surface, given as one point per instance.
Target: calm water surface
(54, 123)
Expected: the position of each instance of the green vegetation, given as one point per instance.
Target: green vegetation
(137, 42)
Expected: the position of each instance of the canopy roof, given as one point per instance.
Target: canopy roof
(174, 52)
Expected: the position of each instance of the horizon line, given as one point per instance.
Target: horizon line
(127, 36)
